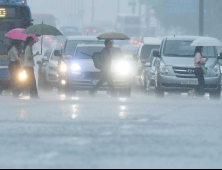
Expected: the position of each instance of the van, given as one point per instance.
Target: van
(175, 67)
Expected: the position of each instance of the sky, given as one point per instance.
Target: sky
(65, 10)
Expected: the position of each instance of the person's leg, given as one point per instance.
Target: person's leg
(202, 85)
(13, 68)
(33, 86)
(98, 85)
(197, 73)
(109, 80)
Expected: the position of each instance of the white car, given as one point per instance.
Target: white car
(50, 78)
(80, 74)
(148, 44)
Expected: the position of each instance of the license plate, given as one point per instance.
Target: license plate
(94, 82)
(189, 82)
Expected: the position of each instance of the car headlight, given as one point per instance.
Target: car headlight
(75, 67)
(63, 67)
(163, 69)
(22, 75)
(216, 72)
(123, 68)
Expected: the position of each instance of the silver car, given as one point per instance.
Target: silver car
(175, 67)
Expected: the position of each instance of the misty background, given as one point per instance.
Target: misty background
(155, 17)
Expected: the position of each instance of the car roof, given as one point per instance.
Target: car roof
(82, 38)
(152, 41)
(94, 45)
(180, 38)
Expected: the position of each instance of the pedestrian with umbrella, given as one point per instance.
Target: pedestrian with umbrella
(106, 61)
(29, 68)
(200, 63)
(15, 55)
(40, 30)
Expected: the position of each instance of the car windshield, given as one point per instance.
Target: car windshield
(146, 51)
(71, 45)
(55, 58)
(87, 52)
(183, 49)
(48, 53)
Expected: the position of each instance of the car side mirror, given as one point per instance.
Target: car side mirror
(57, 53)
(220, 56)
(45, 60)
(148, 64)
(39, 62)
(156, 53)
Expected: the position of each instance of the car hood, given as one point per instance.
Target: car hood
(185, 61)
(53, 63)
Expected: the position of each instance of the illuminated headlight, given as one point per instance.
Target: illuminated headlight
(75, 67)
(123, 68)
(216, 72)
(163, 69)
(63, 67)
(22, 75)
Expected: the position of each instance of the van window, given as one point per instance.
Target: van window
(183, 49)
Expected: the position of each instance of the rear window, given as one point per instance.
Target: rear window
(183, 49)
(146, 51)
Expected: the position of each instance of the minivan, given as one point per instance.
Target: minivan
(175, 67)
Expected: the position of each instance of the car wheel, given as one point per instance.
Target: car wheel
(216, 95)
(126, 92)
(159, 92)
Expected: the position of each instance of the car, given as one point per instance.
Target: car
(42, 69)
(50, 79)
(79, 73)
(175, 67)
(148, 73)
(71, 42)
(148, 44)
(47, 72)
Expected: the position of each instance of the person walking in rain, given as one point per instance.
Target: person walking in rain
(198, 61)
(15, 64)
(29, 68)
(106, 76)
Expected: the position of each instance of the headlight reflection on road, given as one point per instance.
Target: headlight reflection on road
(63, 97)
(74, 112)
(122, 113)
(123, 99)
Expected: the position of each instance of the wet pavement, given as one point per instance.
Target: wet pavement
(102, 132)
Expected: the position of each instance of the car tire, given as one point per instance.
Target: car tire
(126, 92)
(216, 95)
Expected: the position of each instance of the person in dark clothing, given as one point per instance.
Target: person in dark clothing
(29, 68)
(200, 90)
(15, 64)
(106, 76)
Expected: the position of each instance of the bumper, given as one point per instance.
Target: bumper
(52, 76)
(81, 83)
(171, 83)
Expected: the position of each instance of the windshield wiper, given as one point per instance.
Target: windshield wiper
(86, 54)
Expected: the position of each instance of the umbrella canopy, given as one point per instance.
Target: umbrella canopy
(42, 29)
(17, 34)
(113, 36)
(207, 42)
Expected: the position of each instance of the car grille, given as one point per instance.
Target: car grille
(185, 71)
(92, 75)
